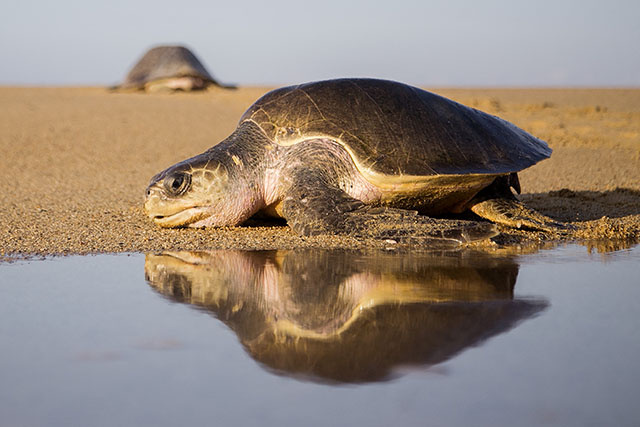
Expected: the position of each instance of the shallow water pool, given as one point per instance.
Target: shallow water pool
(322, 338)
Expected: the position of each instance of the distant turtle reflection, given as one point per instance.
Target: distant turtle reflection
(346, 316)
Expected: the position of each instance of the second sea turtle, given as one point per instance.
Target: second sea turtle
(168, 68)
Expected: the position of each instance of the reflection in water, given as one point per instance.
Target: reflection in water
(344, 316)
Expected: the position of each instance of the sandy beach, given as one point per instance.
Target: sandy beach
(75, 162)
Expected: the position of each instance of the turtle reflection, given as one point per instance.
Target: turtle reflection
(344, 316)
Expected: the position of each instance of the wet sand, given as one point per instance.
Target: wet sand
(75, 162)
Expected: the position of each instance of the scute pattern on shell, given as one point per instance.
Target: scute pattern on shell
(396, 129)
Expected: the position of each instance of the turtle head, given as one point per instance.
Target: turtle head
(198, 192)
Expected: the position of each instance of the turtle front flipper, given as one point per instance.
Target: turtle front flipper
(407, 227)
(313, 208)
(512, 213)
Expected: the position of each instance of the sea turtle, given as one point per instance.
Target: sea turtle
(357, 157)
(168, 68)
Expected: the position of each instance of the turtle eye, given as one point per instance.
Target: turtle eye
(178, 183)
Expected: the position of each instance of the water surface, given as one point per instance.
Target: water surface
(320, 338)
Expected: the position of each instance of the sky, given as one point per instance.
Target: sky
(270, 42)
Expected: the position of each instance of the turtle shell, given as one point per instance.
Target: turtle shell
(391, 128)
(163, 62)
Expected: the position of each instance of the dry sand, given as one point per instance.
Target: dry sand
(74, 164)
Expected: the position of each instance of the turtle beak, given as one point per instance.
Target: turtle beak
(151, 199)
(170, 213)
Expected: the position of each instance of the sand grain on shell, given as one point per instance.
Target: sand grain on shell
(75, 163)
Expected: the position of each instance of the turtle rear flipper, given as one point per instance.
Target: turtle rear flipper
(512, 213)
(498, 204)
(314, 208)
